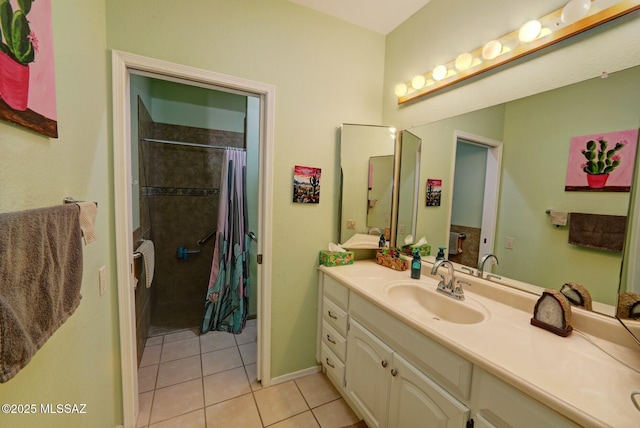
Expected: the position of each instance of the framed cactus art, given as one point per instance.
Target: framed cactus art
(602, 162)
(27, 79)
(306, 184)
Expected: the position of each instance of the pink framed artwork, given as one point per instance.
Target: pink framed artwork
(27, 77)
(602, 162)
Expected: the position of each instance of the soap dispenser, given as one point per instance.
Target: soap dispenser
(416, 265)
(440, 255)
(382, 241)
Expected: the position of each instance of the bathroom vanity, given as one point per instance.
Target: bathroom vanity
(403, 355)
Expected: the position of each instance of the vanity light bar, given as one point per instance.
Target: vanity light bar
(531, 37)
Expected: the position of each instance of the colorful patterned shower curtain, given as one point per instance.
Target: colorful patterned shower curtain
(227, 299)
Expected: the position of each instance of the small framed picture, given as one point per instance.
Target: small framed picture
(434, 192)
(306, 184)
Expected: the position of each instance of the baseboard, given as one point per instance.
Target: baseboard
(295, 375)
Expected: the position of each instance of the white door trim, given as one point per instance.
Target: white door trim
(491, 187)
(122, 64)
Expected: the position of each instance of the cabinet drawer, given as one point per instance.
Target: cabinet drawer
(337, 292)
(334, 340)
(335, 316)
(333, 365)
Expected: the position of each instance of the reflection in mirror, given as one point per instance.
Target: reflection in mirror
(359, 144)
(536, 132)
(408, 186)
(380, 192)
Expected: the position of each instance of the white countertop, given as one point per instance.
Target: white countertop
(568, 374)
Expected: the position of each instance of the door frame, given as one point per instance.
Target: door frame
(123, 64)
(491, 187)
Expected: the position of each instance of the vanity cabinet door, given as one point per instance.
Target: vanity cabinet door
(367, 368)
(417, 401)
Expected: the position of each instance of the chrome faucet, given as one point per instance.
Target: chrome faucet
(449, 286)
(375, 230)
(482, 262)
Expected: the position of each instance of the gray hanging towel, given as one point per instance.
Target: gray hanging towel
(40, 278)
(598, 231)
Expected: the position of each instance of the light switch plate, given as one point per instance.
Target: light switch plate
(102, 273)
(508, 242)
(351, 224)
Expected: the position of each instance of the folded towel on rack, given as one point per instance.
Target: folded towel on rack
(88, 212)
(455, 243)
(558, 218)
(598, 231)
(40, 279)
(147, 250)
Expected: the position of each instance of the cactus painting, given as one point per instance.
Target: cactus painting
(602, 162)
(306, 184)
(27, 82)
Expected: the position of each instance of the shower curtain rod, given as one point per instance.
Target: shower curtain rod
(184, 143)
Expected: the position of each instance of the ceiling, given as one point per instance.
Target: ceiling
(381, 16)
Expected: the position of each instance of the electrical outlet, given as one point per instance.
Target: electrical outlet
(351, 224)
(508, 242)
(401, 229)
(102, 273)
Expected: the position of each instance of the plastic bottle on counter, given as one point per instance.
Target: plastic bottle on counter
(416, 265)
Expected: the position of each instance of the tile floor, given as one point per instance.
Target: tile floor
(186, 380)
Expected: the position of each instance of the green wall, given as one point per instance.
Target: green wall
(325, 71)
(537, 133)
(80, 363)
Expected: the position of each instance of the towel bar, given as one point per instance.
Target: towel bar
(71, 200)
(137, 255)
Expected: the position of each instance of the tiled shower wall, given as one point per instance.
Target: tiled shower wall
(179, 188)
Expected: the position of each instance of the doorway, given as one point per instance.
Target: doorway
(474, 205)
(124, 66)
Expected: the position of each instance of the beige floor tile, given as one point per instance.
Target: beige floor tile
(239, 412)
(219, 361)
(249, 352)
(335, 414)
(216, 340)
(251, 374)
(147, 378)
(180, 349)
(156, 340)
(303, 420)
(144, 408)
(180, 335)
(151, 355)
(177, 371)
(225, 385)
(177, 400)
(190, 420)
(251, 322)
(249, 334)
(317, 389)
(279, 402)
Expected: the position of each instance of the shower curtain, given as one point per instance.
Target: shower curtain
(227, 298)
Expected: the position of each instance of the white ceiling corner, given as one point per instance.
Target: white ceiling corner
(381, 16)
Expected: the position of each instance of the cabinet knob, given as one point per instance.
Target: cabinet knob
(331, 340)
(384, 364)
(394, 372)
(331, 315)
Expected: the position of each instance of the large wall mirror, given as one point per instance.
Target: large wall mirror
(380, 170)
(535, 135)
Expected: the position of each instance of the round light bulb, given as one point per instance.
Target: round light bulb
(418, 81)
(401, 90)
(491, 50)
(439, 73)
(463, 61)
(529, 31)
(575, 10)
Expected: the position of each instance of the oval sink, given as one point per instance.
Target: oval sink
(424, 300)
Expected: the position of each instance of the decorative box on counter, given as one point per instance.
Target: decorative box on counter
(332, 258)
(392, 262)
(425, 250)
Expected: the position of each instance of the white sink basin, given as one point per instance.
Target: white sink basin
(424, 300)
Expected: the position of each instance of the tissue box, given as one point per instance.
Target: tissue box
(424, 250)
(330, 258)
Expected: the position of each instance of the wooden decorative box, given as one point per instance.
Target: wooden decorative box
(395, 263)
